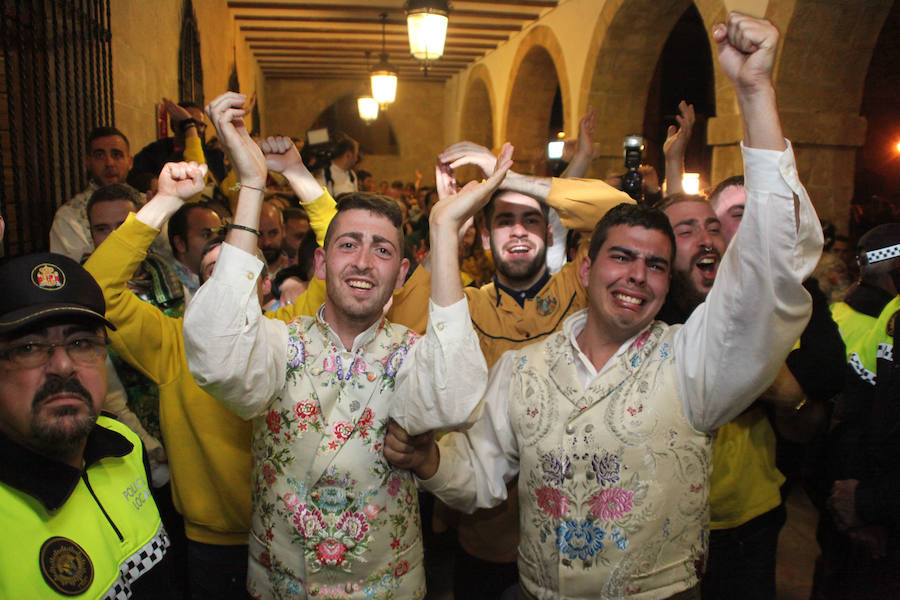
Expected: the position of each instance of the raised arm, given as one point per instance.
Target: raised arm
(675, 146)
(733, 345)
(580, 203)
(235, 354)
(584, 148)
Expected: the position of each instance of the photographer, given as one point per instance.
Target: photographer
(338, 176)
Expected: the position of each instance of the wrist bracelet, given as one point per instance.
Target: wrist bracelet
(255, 232)
(239, 185)
(187, 123)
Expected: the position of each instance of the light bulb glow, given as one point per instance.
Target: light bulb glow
(368, 108)
(384, 86)
(690, 183)
(427, 34)
(555, 149)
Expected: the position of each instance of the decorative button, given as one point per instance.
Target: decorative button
(570, 428)
(589, 428)
(439, 326)
(249, 275)
(570, 474)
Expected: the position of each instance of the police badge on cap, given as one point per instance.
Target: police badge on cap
(47, 286)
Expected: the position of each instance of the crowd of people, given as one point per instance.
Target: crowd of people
(266, 366)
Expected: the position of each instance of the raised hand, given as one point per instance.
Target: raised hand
(469, 153)
(281, 154)
(176, 113)
(227, 115)
(677, 138)
(586, 129)
(456, 209)
(444, 181)
(747, 48)
(182, 180)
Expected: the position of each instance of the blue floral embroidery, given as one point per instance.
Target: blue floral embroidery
(580, 540)
(664, 351)
(333, 499)
(635, 360)
(606, 468)
(296, 353)
(394, 362)
(555, 468)
(618, 536)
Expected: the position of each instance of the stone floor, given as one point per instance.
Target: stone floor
(797, 551)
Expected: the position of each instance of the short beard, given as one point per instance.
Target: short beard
(684, 293)
(58, 435)
(517, 273)
(272, 254)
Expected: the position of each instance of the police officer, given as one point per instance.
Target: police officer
(75, 508)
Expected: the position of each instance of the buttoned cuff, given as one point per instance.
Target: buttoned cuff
(441, 478)
(449, 323)
(771, 171)
(236, 268)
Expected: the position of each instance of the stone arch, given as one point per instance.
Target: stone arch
(538, 68)
(477, 120)
(624, 51)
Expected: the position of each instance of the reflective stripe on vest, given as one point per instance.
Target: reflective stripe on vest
(76, 550)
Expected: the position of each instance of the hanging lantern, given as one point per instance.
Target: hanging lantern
(426, 21)
(368, 109)
(384, 74)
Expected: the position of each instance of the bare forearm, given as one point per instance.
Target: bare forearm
(578, 167)
(762, 125)
(536, 187)
(443, 264)
(674, 174)
(156, 212)
(247, 215)
(303, 184)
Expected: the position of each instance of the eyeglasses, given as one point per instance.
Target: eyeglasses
(85, 350)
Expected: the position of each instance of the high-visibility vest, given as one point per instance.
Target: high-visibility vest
(865, 337)
(106, 535)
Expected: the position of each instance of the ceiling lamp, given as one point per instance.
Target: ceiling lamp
(368, 109)
(426, 21)
(384, 75)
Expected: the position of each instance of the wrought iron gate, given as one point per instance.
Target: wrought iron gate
(55, 86)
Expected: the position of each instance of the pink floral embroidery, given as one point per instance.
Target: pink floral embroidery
(639, 343)
(330, 364)
(273, 422)
(360, 367)
(308, 521)
(611, 503)
(269, 473)
(265, 560)
(291, 501)
(354, 525)
(331, 553)
(553, 502)
(372, 511)
(393, 486)
(401, 568)
(306, 410)
(342, 430)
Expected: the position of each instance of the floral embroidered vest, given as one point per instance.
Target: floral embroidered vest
(331, 517)
(613, 481)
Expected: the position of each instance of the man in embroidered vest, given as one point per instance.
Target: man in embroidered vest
(75, 504)
(608, 422)
(330, 516)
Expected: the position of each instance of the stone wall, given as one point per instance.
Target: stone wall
(145, 38)
(416, 119)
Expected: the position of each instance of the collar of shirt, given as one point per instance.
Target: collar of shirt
(520, 296)
(572, 328)
(187, 277)
(50, 481)
(362, 340)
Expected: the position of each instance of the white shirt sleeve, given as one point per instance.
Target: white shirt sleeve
(236, 355)
(443, 383)
(731, 347)
(556, 252)
(475, 465)
(68, 235)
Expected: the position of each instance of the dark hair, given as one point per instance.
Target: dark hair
(733, 181)
(213, 243)
(397, 184)
(633, 215)
(141, 181)
(306, 252)
(295, 213)
(489, 208)
(112, 193)
(178, 224)
(102, 132)
(374, 203)
(344, 144)
(284, 274)
(363, 175)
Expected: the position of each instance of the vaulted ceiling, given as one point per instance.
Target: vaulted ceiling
(316, 40)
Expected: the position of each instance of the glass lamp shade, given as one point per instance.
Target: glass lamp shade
(427, 33)
(384, 85)
(368, 108)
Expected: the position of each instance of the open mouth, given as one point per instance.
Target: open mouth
(632, 300)
(707, 265)
(518, 249)
(360, 285)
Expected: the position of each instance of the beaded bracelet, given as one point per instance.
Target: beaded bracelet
(255, 232)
